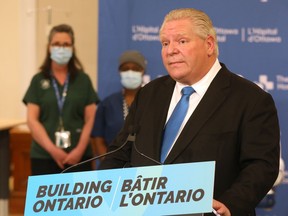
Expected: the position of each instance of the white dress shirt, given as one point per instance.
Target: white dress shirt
(200, 88)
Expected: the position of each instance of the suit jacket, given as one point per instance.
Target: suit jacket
(235, 124)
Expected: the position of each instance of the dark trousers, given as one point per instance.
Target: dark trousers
(49, 166)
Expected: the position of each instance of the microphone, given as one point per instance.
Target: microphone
(142, 154)
(131, 138)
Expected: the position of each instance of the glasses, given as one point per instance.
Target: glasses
(64, 45)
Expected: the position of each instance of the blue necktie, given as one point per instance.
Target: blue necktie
(173, 125)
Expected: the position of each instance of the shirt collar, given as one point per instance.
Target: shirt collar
(202, 85)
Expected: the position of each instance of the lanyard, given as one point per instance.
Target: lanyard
(60, 100)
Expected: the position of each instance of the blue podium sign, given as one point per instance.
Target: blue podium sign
(152, 190)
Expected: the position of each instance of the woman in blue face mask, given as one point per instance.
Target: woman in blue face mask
(112, 111)
(61, 106)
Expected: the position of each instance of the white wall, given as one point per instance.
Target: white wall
(10, 52)
(24, 25)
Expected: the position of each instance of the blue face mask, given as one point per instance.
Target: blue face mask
(61, 55)
(131, 79)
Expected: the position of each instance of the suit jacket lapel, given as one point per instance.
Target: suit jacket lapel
(213, 98)
(164, 92)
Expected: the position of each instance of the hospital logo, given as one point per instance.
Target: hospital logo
(264, 83)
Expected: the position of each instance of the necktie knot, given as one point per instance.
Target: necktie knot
(188, 90)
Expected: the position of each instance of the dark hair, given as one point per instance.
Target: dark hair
(74, 64)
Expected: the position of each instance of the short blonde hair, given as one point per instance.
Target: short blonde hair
(200, 20)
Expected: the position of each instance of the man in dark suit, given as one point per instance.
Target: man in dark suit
(230, 120)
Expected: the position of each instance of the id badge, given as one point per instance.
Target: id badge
(63, 139)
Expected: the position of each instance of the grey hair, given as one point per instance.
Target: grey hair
(200, 20)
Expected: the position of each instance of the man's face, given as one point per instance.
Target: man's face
(185, 55)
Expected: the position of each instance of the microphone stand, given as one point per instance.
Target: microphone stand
(130, 138)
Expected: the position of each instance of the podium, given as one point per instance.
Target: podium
(152, 190)
(5, 126)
